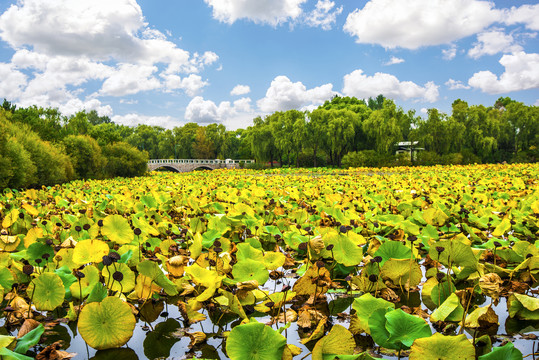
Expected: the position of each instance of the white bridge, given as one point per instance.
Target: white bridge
(186, 165)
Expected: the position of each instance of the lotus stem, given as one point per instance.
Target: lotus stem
(31, 299)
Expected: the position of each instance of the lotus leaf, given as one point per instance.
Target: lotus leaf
(396, 329)
(29, 339)
(454, 251)
(506, 352)
(46, 291)
(339, 341)
(450, 310)
(117, 229)
(481, 317)
(127, 282)
(523, 306)
(106, 324)
(254, 341)
(393, 250)
(346, 249)
(365, 306)
(90, 251)
(7, 354)
(398, 271)
(91, 277)
(443, 347)
(247, 270)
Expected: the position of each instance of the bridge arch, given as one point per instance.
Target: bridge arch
(168, 167)
(186, 165)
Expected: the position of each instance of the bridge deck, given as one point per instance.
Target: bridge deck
(186, 165)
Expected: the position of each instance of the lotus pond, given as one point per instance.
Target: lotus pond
(418, 263)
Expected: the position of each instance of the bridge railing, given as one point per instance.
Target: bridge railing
(200, 161)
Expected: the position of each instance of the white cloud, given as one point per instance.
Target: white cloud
(492, 42)
(449, 54)
(455, 85)
(206, 111)
(322, 15)
(526, 14)
(394, 60)
(416, 23)
(240, 90)
(61, 45)
(271, 12)
(521, 73)
(130, 79)
(283, 94)
(536, 103)
(12, 83)
(191, 84)
(363, 86)
(134, 119)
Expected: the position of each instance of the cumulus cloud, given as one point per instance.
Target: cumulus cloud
(492, 42)
(240, 90)
(207, 111)
(192, 84)
(13, 81)
(416, 23)
(323, 15)
(455, 85)
(525, 14)
(271, 12)
(134, 119)
(521, 73)
(394, 60)
(363, 86)
(283, 94)
(61, 45)
(449, 54)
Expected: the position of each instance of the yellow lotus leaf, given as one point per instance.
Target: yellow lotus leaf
(10, 218)
(90, 251)
(30, 210)
(9, 243)
(117, 229)
(339, 341)
(32, 235)
(144, 287)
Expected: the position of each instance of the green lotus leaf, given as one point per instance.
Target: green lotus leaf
(273, 260)
(29, 339)
(247, 270)
(503, 227)
(365, 306)
(450, 310)
(441, 291)
(523, 307)
(378, 331)
(398, 271)
(393, 250)
(91, 277)
(339, 341)
(90, 251)
(346, 249)
(247, 252)
(46, 291)
(37, 250)
(98, 292)
(506, 352)
(363, 356)
(126, 284)
(106, 324)
(442, 347)
(455, 251)
(6, 278)
(405, 328)
(254, 341)
(7, 354)
(117, 229)
(435, 217)
(153, 271)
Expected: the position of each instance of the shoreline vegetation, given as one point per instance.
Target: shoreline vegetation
(42, 147)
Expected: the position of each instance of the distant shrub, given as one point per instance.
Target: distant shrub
(365, 158)
(86, 156)
(124, 160)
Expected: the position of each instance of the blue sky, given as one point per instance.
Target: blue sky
(168, 62)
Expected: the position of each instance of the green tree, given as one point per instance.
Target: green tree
(86, 156)
(123, 159)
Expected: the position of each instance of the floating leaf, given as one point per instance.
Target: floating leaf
(339, 341)
(117, 229)
(46, 291)
(254, 341)
(247, 270)
(90, 251)
(365, 306)
(506, 352)
(443, 347)
(107, 324)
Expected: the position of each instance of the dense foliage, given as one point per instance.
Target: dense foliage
(36, 150)
(243, 264)
(344, 131)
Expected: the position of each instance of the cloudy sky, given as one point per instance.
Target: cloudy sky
(168, 62)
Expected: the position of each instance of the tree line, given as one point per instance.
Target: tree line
(344, 131)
